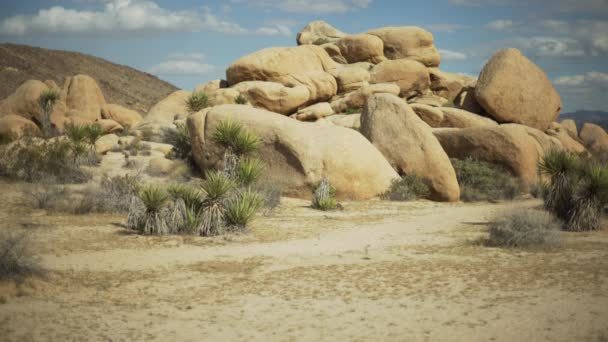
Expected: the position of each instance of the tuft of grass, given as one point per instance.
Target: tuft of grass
(522, 227)
(92, 133)
(150, 215)
(562, 168)
(197, 101)
(46, 196)
(16, 257)
(217, 185)
(482, 181)
(234, 136)
(350, 111)
(249, 171)
(241, 209)
(241, 100)
(324, 196)
(407, 188)
(112, 195)
(271, 193)
(75, 132)
(589, 199)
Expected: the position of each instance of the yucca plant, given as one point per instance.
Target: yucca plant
(197, 101)
(562, 168)
(153, 219)
(249, 171)
(324, 196)
(46, 101)
(232, 135)
(191, 197)
(93, 133)
(216, 186)
(589, 199)
(75, 132)
(242, 208)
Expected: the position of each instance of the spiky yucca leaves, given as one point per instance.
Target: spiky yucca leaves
(217, 187)
(324, 196)
(93, 133)
(232, 135)
(197, 101)
(46, 101)
(153, 220)
(191, 197)
(589, 199)
(241, 208)
(562, 168)
(75, 132)
(249, 171)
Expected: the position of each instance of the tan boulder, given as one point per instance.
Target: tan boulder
(512, 89)
(318, 33)
(361, 48)
(408, 144)
(507, 146)
(159, 166)
(273, 96)
(334, 52)
(466, 100)
(164, 112)
(352, 121)
(106, 143)
(83, 95)
(429, 99)
(568, 143)
(314, 112)
(109, 126)
(570, 126)
(433, 116)
(24, 101)
(16, 126)
(594, 137)
(544, 142)
(357, 99)
(223, 96)
(297, 154)
(124, 116)
(408, 42)
(448, 85)
(306, 65)
(210, 87)
(351, 79)
(412, 77)
(458, 118)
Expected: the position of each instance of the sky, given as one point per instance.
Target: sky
(190, 42)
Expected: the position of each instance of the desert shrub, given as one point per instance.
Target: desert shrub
(197, 101)
(180, 139)
(49, 161)
(523, 228)
(16, 258)
(539, 189)
(150, 215)
(241, 208)
(217, 187)
(75, 132)
(407, 188)
(562, 168)
(482, 181)
(324, 196)
(240, 100)
(46, 196)
(191, 196)
(46, 101)
(271, 194)
(589, 199)
(93, 132)
(249, 171)
(232, 135)
(352, 111)
(112, 195)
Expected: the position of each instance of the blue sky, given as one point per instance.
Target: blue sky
(190, 42)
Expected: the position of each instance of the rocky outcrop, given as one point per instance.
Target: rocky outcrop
(361, 48)
(273, 96)
(408, 42)
(594, 137)
(164, 112)
(410, 76)
(82, 94)
(448, 85)
(109, 126)
(297, 154)
(408, 144)
(314, 112)
(16, 126)
(433, 116)
(357, 99)
(318, 33)
(570, 126)
(124, 116)
(512, 89)
(352, 121)
(568, 143)
(210, 86)
(458, 118)
(351, 79)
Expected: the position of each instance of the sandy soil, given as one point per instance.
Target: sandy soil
(377, 271)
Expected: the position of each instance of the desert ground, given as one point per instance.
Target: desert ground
(375, 271)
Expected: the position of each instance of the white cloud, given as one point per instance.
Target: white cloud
(310, 6)
(183, 64)
(274, 30)
(449, 55)
(551, 46)
(448, 28)
(501, 24)
(592, 78)
(591, 35)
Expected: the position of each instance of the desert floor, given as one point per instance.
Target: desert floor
(376, 271)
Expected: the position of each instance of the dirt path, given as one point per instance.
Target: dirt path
(377, 271)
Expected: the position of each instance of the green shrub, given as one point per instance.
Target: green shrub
(482, 181)
(46, 101)
(589, 199)
(191, 197)
(216, 185)
(242, 208)
(324, 196)
(16, 258)
(352, 111)
(197, 101)
(232, 135)
(563, 170)
(249, 171)
(180, 139)
(92, 133)
(150, 217)
(539, 189)
(241, 100)
(523, 228)
(407, 188)
(75, 132)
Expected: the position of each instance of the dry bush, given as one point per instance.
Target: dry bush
(16, 258)
(324, 196)
(521, 227)
(482, 181)
(407, 188)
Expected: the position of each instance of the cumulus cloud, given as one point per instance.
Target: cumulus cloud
(592, 79)
(449, 55)
(274, 30)
(124, 16)
(501, 24)
(551, 46)
(591, 6)
(310, 6)
(183, 64)
(591, 35)
(447, 28)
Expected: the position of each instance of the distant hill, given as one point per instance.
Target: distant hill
(120, 84)
(580, 117)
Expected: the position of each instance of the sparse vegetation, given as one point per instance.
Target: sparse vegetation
(232, 135)
(350, 111)
(241, 100)
(324, 196)
(16, 258)
(481, 181)
(562, 168)
(180, 139)
(249, 171)
(112, 195)
(407, 188)
(522, 227)
(149, 216)
(46, 101)
(241, 208)
(197, 101)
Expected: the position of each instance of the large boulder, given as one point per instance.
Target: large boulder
(357, 99)
(273, 96)
(448, 85)
(570, 126)
(512, 89)
(109, 126)
(544, 142)
(408, 42)
(124, 116)
(594, 137)
(314, 112)
(568, 143)
(223, 96)
(306, 65)
(165, 111)
(508, 146)
(297, 154)
(24, 101)
(466, 100)
(351, 79)
(433, 116)
(210, 86)
(352, 121)
(458, 118)
(16, 126)
(408, 144)
(412, 77)
(83, 95)
(318, 33)
(361, 48)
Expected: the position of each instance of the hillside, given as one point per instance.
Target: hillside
(120, 84)
(580, 117)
